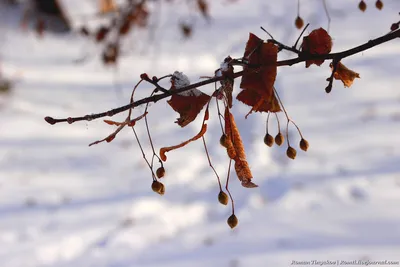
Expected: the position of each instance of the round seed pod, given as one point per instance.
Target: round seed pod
(379, 4)
(362, 6)
(156, 186)
(160, 172)
(291, 152)
(299, 23)
(304, 144)
(223, 198)
(162, 190)
(224, 140)
(232, 221)
(279, 139)
(268, 140)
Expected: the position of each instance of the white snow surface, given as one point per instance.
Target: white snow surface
(63, 203)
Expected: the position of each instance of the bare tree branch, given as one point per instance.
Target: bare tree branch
(302, 57)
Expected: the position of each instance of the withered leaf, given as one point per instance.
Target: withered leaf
(244, 174)
(259, 103)
(344, 74)
(259, 77)
(242, 168)
(188, 107)
(189, 103)
(318, 42)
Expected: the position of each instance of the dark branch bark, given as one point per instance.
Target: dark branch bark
(337, 57)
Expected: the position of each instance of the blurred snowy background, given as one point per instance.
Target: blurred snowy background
(63, 203)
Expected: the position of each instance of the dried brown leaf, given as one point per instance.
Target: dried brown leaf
(317, 42)
(344, 74)
(241, 166)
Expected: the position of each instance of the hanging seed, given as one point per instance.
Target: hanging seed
(379, 4)
(223, 198)
(299, 22)
(269, 140)
(224, 140)
(279, 139)
(232, 221)
(160, 172)
(304, 144)
(291, 152)
(362, 6)
(156, 186)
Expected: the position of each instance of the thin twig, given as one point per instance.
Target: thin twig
(327, 14)
(270, 35)
(227, 186)
(289, 62)
(209, 162)
(266, 124)
(143, 154)
(301, 34)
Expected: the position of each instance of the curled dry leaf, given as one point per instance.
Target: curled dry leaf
(344, 74)
(230, 149)
(259, 77)
(203, 130)
(189, 103)
(242, 168)
(226, 71)
(318, 42)
(244, 174)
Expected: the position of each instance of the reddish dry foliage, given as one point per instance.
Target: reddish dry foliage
(241, 166)
(317, 43)
(253, 99)
(259, 78)
(188, 107)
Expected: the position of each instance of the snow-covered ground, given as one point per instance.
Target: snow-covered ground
(63, 203)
